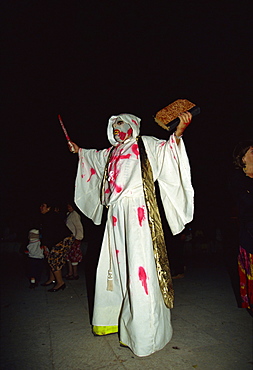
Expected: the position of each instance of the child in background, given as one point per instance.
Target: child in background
(36, 256)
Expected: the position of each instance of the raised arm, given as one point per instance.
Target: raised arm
(185, 120)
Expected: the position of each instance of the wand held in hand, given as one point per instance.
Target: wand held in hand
(66, 135)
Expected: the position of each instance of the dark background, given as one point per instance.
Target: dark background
(90, 60)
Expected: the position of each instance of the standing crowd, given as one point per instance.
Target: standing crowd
(57, 238)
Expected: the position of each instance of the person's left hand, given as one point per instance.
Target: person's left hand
(185, 120)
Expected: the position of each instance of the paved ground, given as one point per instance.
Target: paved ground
(42, 330)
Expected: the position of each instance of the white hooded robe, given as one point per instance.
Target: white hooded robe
(135, 304)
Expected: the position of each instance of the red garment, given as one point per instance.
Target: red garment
(75, 253)
(245, 268)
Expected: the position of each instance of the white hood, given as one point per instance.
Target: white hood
(133, 121)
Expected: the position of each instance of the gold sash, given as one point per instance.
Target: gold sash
(155, 224)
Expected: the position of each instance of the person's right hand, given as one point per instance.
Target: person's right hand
(73, 147)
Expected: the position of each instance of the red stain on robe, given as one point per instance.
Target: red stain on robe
(143, 278)
(114, 220)
(92, 172)
(135, 150)
(141, 215)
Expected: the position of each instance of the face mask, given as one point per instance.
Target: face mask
(121, 131)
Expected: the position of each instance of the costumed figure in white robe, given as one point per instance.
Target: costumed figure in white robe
(134, 290)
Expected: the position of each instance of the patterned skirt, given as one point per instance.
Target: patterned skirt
(75, 253)
(245, 268)
(58, 255)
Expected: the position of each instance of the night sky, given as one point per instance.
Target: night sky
(90, 60)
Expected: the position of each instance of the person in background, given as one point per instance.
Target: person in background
(73, 222)
(55, 236)
(36, 256)
(242, 188)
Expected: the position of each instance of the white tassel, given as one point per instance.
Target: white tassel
(109, 281)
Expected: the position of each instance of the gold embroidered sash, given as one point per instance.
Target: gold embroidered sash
(155, 224)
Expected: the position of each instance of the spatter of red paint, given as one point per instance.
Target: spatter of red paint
(92, 172)
(135, 150)
(114, 168)
(117, 188)
(117, 255)
(122, 135)
(143, 278)
(141, 215)
(134, 122)
(114, 220)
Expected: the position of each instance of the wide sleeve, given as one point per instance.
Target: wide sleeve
(171, 169)
(89, 176)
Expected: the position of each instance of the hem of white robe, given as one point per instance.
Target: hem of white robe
(149, 354)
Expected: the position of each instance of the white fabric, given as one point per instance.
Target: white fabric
(35, 250)
(136, 303)
(74, 224)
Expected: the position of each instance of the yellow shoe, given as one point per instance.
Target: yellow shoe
(104, 330)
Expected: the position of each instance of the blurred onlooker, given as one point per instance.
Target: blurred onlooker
(242, 188)
(56, 237)
(36, 256)
(73, 222)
